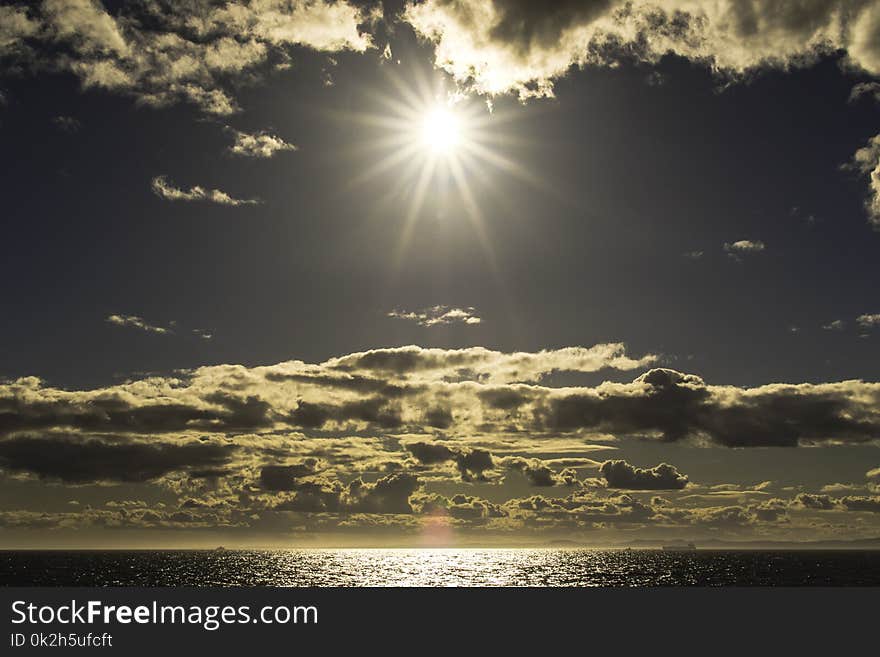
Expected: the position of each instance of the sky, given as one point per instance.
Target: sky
(473, 272)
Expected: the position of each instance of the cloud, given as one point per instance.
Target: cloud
(675, 406)
(866, 161)
(66, 124)
(374, 411)
(513, 46)
(133, 321)
(461, 393)
(461, 507)
(286, 477)
(540, 474)
(260, 144)
(620, 474)
(148, 407)
(77, 462)
(868, 321)
(862, 89)
(836, 489)
(485, 365)
(861, 503)
(16, 28)
(139, 323)
(387, 495)
(164, 189)
(742, 247)
(857, 503)
(438, 315)
(472, 463)
(163, 53)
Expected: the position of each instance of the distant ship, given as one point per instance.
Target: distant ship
(690, 547)
(219, 548)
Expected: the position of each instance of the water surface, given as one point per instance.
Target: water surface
(440, 567)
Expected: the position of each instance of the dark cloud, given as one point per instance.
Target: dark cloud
(373, 410)
(861, 503)
(679, 406)
(439, 418)
(354, 383)
(620, 474)
(817, 502)
(485, 365)
(506, 398)
(86, 461)
(472, 463)
(537, 473)
(870, 504)
(387, 495)
(285, 477)
(462, 507)
(122, 413)
(431, 453)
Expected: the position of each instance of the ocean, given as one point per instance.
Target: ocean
(440, 567)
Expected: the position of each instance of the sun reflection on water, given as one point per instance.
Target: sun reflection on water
(442, 566)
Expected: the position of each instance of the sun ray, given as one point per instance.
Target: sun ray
(423, 138)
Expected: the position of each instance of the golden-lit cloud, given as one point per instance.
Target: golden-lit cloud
(136, 322)
(475, 396)
(736, 250)
(502, 46)
(165, 189)
(260, 144)
(868, 320)
(866, 161)
(162, 53)
(439, 315)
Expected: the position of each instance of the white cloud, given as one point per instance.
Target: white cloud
(260, 144)
(133, 321)
(15, 27)
(436, 315)
(866, 160)
(868, 321)
(86, 25)
(165, 189)
(163, 53)
(499, 46)
(743, 247)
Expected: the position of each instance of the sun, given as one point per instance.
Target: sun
(440, 130)
(445, 151)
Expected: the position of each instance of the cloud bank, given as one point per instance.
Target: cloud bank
(163, 53)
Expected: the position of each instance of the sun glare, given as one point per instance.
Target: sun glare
(441, 131)
(443, 150)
